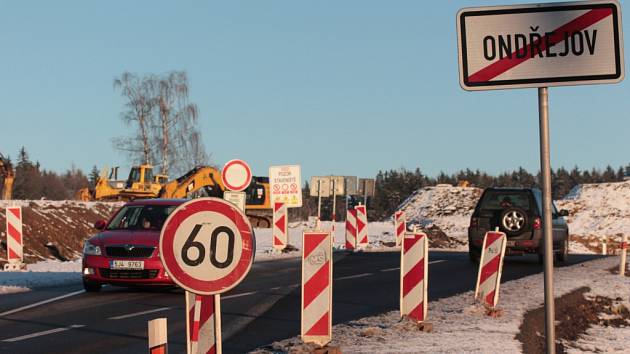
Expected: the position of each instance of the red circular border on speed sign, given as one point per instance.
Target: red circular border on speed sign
(236, 175)
(207, 246)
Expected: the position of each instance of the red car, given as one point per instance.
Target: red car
(126, 251)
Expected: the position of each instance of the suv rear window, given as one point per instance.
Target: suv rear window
(499, 200)
(141, 217)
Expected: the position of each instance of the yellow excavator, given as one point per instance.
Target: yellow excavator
(199, 182)
(7, 176)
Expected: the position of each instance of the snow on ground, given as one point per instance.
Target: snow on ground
(460, 326)
(40, 274)
(600, 210)
(445, 206)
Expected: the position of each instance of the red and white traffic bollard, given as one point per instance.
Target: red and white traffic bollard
(280, 226)
(624, 251)
(15, 253)
(316, 324)
(158, 336)
(400, 226)
(490, 268)
(203, 325)
(362, 222)
(351, 229)
(414, 272)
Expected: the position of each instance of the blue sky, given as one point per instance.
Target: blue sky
(340, 87)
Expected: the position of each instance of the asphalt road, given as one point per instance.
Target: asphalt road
(263, 308)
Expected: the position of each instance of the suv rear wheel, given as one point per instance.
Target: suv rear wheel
(513, 221)
(563, 254)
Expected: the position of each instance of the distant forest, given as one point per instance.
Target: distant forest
(392, 186)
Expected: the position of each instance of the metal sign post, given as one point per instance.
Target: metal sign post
(545, 170)
(319, 204)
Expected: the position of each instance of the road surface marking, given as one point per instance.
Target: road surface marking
(398, 268)
(355, 276)
(238, 295)
(43, 333)
(10, 312)
(122, 317)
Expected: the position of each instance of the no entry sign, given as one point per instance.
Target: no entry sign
(540, 45)
(207, 246)
(236, 175)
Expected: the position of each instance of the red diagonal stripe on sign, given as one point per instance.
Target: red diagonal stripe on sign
(490, 298)
(312, 241)
(401, 228)
(489, 269)
(408, 243)
(15, 211)
(212, 350)
(351, 228)
(314, 286)
(499, 67)
(159, 349)
(349, 246)
(413, 277)
(418, 313)
(365, 239)
(320, 328)
(207, 309)
(14, 233)
(360, 225)
(281, 222)
(277, 206)
(12, 254)
(276, 241)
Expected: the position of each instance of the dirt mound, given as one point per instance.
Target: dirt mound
(55, 229)
(575, 313)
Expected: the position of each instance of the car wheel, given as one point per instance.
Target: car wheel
(563, 254)
(91, 287)
(474, 256)
(513, 221)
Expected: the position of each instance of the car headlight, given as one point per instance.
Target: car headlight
(91, 250)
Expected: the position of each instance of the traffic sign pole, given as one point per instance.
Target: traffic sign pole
(545, 169)
(334, 203)
(319, 203)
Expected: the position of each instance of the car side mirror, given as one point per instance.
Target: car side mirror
(100, 225)
(563, 212)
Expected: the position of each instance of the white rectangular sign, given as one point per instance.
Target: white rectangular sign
(539, 45)
(366, 187)
(285, 185)
(324, 186)
(351, 185)
(236, 198)
(338, 183)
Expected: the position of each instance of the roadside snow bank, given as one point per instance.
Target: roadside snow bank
(41, 274)
(460, 326)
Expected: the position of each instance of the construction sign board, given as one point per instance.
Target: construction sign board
(366, 187)
(284, 184)
(338, 183)
(540, 45)
(323, 189)
(351, 185)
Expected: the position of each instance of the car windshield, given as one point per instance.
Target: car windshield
(497, 200)
(141, 217)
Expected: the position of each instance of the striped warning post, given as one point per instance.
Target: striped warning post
(490, 268)
(280, 226)
(14, 235)
(158, 339)
(362, 222)
(351, 229)
(202, 326)
(400, 226)
(317, 288)
(414, 268)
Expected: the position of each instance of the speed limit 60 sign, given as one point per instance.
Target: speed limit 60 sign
(207, 246)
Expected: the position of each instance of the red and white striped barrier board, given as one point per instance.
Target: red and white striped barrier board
(202, 324)
(351, 229)
(14, 235)
(400, 226)
(414, 268)
(317, 288)
(490, 268)
(362, 222)
(158, 338)
(280, 226)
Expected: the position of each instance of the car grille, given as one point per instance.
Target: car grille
(135, 252)
(128, 274)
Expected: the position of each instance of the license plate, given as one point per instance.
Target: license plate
(123, 264)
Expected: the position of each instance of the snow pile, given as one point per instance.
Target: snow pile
(41, 274)
(445, 206)
(460, 326)
(599, 210)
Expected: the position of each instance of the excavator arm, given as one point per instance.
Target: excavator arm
(200, 180)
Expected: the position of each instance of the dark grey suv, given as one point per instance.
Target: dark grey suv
(518, 213)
